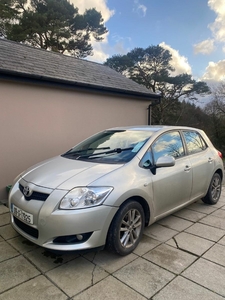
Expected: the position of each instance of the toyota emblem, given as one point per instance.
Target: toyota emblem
(27, 191)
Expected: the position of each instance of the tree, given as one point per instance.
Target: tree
(174, 90)
(54, 25)
(7, 13)
(218, 102)
(152, 68)
(189, 114)
(215, 109)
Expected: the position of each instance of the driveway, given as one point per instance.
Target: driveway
(180, 257)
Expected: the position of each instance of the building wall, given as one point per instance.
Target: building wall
(38, 122)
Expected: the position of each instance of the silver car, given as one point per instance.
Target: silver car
(105, 190)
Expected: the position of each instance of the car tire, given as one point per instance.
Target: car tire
(126, 228)
(214, 190)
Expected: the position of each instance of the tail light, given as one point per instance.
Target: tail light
(220, 154)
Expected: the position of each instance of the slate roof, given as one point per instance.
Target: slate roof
(19, 60)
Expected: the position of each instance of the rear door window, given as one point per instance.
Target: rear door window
(194, 142)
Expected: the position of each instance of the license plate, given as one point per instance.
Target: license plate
(22, 215)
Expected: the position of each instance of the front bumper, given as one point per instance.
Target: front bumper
(62, 230)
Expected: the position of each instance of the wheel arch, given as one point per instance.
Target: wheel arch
(215, 187)
(144, 205)
(220, 172)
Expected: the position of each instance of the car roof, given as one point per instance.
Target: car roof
(151, 128)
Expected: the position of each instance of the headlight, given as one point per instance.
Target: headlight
(83, 197)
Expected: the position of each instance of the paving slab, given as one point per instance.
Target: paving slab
(45, 260)
(75, 276)
(222, 241)
(183, 289)
(159, 232)
(221, 202)
(4, 219)
(6, 251)
(216, 254)
(190, 215)
(108, 289)
(214, 221)
(207, 274)
(144, 277)
(201, 207)
(21, 244)
(190, 243)
(36, 289)
(170, 258)
(7, 232)
(146, 244)
(175, 223)
(15, 271)
(3, 209)
(205, 231)
(109, 261)
(220, 213)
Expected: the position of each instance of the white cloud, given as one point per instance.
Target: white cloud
(215, 71)
(217, 6)
(140, 8)
(99, 5)
(179, 62)
(217, 28)
(99, 52)
(205, 47)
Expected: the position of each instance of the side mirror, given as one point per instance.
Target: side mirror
(165, 161)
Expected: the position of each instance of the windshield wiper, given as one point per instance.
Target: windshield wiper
(70, 152)
(116, 150)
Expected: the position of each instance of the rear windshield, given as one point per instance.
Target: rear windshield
(111, 146)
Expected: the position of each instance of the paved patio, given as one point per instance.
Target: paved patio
(179, 257)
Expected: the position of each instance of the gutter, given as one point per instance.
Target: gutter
(150, 109)
(33, 78)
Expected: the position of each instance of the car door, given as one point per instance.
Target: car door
(201, 159)
(171, 185)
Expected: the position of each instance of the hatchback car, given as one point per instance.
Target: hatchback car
(105, 190)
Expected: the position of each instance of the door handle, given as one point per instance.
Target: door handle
(187, 168)
(210, 159)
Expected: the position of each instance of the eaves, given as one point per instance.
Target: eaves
(79, 86)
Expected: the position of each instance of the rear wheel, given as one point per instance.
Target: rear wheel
(126, 228)
(214, 190)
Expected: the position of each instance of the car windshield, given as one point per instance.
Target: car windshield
(110, 146)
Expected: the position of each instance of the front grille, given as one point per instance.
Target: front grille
(27, 229)
(35, 195)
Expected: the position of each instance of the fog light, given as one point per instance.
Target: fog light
(79, 237)
(72, 239)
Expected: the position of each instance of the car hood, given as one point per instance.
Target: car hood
(64, 173)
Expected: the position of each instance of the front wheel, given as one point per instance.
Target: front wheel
(214, 190)
(126, 228)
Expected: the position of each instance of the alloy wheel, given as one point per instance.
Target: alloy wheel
(130, 228)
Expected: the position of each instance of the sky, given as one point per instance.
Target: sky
(192, 30)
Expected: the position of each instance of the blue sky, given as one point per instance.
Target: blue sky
(193, 31)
